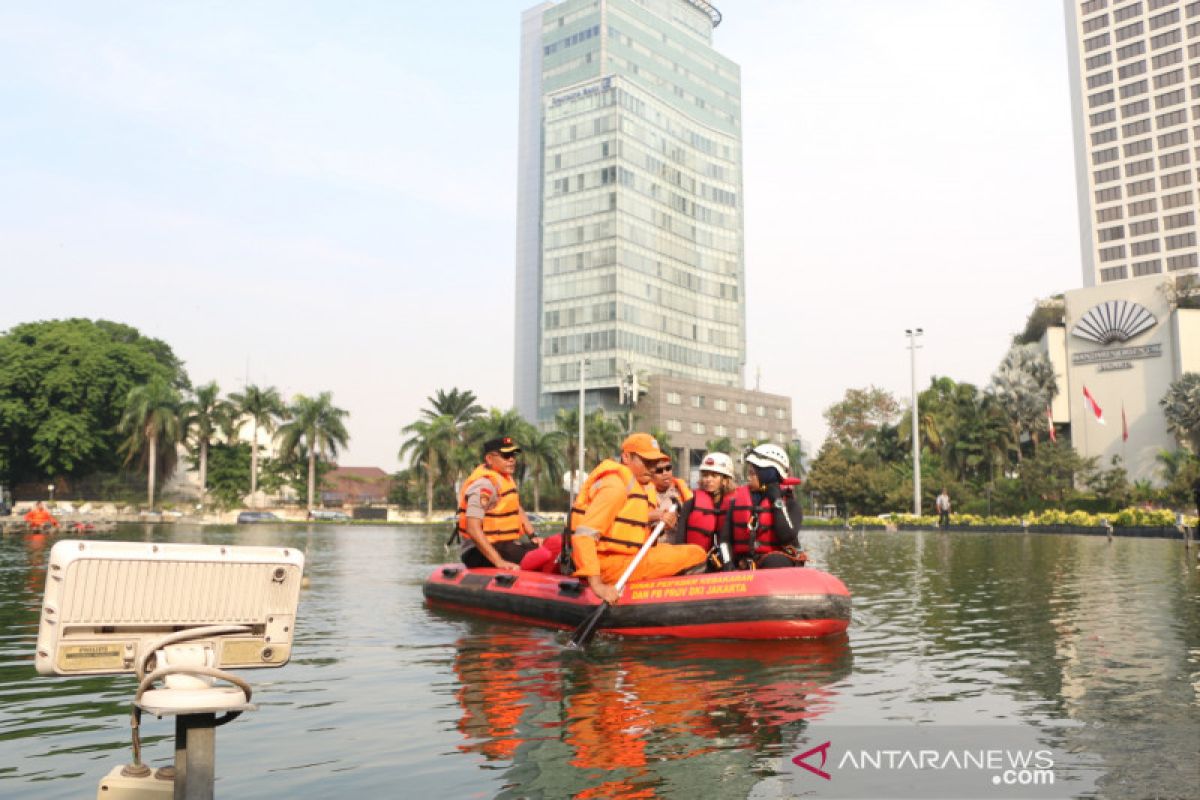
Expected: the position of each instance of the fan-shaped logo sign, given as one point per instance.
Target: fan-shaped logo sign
(1114, 321)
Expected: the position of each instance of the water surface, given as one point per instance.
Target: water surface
(1089, 646)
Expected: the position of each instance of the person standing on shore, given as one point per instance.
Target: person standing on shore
(39, 517)
(490, 518)
(943, 509)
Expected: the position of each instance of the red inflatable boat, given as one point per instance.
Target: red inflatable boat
(798, 603)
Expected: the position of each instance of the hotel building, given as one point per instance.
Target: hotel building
(1134, 327)
(1135, 86)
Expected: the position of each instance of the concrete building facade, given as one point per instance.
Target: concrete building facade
(1135, 90)
(693, 413)
(629, 211)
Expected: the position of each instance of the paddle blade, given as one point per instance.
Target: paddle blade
(584, 633)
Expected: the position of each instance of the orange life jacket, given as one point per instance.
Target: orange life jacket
(502, 523)
(40, 516)
(762, 539)
(629, 530)
(704, 520)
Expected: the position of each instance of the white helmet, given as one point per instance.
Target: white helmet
(769, 455)
(718, 463)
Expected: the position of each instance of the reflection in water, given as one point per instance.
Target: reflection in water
(612, 722)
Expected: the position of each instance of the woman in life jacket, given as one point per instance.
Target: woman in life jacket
(701, 517)
(761, 527)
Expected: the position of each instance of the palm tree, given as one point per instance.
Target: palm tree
(1181, 407)
(1025, 384)
(203, 416)
(543, 454)
(316, 422)
(151, 422)
(428, 445)
(602, 436)
(722, 445)
(460, 406)
(263, 407)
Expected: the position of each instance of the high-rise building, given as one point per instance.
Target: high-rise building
(1132, 330)
(629, 208)
(1135, 86)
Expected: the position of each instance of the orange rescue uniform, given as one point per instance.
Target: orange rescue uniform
(610, 522)
(39, 517)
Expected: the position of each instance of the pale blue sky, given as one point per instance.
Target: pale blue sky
(323, 193)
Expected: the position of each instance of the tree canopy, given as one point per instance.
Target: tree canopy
(63, 389)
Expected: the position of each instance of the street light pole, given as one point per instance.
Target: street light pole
(913, 333)
(583, 364)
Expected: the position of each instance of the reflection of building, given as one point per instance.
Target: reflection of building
(693, 413)
(1135, 82)
(1126, 343)
(629, 207)
(355, 486)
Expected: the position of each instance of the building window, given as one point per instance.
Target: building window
(1112, 274)
(698, 428)
(763, 435)
(1131, 69)
(1180, 241)
(1143, 207)
(1128, 12)
(1112, 253)
(720, 430)
(697, 401)
(720, 404)
(674, 425)
(1152, 267)
(1174, 159)
(780, 414)
(1135, 128)
(741, 408)
(781, 438)
(1144, 227)
(1145, 248)
(1177, 200)
(741, 433)
(673, 398)
(1188, 261)
(1112, 234)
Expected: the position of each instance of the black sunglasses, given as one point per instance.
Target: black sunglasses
(661, 470)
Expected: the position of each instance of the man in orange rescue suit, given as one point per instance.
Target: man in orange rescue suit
(490, 518)
(610, 522)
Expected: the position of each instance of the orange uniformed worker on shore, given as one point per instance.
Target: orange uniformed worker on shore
(39, 517)
(490, 518)
(611, 519)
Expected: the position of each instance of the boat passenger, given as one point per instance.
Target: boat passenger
(39, 517)
(762, 525)
(490, 518)
(701, 518)
(611, 518)
(666, 494)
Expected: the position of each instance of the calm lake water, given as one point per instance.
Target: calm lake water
(1073, 643)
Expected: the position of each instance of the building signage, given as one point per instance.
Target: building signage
(601, 86)
(1117, 357)
(1114, 322)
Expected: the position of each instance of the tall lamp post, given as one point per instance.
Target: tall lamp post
(913, 333)
(583, 365)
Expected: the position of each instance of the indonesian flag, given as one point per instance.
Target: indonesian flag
(1050, 423)
(1092, 405)
(1124, 425)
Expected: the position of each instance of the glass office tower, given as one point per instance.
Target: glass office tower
(629, 218)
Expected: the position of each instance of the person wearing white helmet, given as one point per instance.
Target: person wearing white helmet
(702, 515)
(762, 525)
